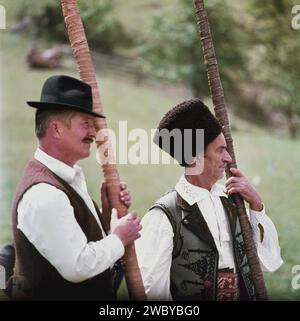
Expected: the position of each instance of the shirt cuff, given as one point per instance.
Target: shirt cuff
(256, 216)
(116, 246)
(257, 219)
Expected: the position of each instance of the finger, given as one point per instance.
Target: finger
(236, 172)
(231, 191)
(231, 180)
(126, 198)
(132, 215)
(137, 220)
(237, 185)
(124, 193)
(235, 190)
(123, 185)
(238, 189)
(127, 204)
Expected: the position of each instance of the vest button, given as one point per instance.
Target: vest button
(207, 284)
(185, 221)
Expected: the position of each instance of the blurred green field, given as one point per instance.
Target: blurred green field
(262, 156)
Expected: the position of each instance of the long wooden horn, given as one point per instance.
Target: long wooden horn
(87, 73)
(218, 98)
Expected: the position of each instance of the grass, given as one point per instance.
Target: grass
(259, 154)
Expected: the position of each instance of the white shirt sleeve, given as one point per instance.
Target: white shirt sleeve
(47, 219)
(154, 254)
(268, 249)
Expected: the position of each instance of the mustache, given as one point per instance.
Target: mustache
(88, 140)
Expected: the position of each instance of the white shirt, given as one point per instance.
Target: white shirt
(154, 248)
(47, 219)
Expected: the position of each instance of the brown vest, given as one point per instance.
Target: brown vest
(36, 277)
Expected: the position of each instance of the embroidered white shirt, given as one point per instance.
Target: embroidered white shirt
(154, 248)
(47, 219)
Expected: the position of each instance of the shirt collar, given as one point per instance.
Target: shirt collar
(64, 171)
(193, 194)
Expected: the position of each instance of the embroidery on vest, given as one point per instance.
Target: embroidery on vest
(200, 266)
(203, 267)
(194, 272)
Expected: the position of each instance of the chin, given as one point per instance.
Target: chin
(87, 150)
(85, 155)
(221, 175)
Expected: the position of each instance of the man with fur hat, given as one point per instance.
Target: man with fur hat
(191, 246)
(62, 249)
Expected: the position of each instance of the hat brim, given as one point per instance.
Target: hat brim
(45, 105)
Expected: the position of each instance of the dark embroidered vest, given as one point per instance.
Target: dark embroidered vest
(34, 277)
(195, 256)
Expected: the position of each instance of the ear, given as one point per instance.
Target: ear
(56, 129)
(197, 165)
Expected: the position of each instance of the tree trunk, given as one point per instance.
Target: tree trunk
(221, 114)
(292, 124)
(87, 73)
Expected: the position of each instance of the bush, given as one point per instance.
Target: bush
(105, 33)
(174, 50)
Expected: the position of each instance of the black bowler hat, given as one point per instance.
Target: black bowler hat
(191, 114)
(67, 93)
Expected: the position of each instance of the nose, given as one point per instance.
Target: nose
(92, 131)
(227, 157)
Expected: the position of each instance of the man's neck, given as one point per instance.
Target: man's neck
(200, 180)
(55, 154)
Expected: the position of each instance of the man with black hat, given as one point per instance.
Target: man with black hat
(191, 245)
(62, 250)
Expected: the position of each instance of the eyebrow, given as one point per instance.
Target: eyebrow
(84, 119)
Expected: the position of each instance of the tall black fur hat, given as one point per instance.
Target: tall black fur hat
(192, 115)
